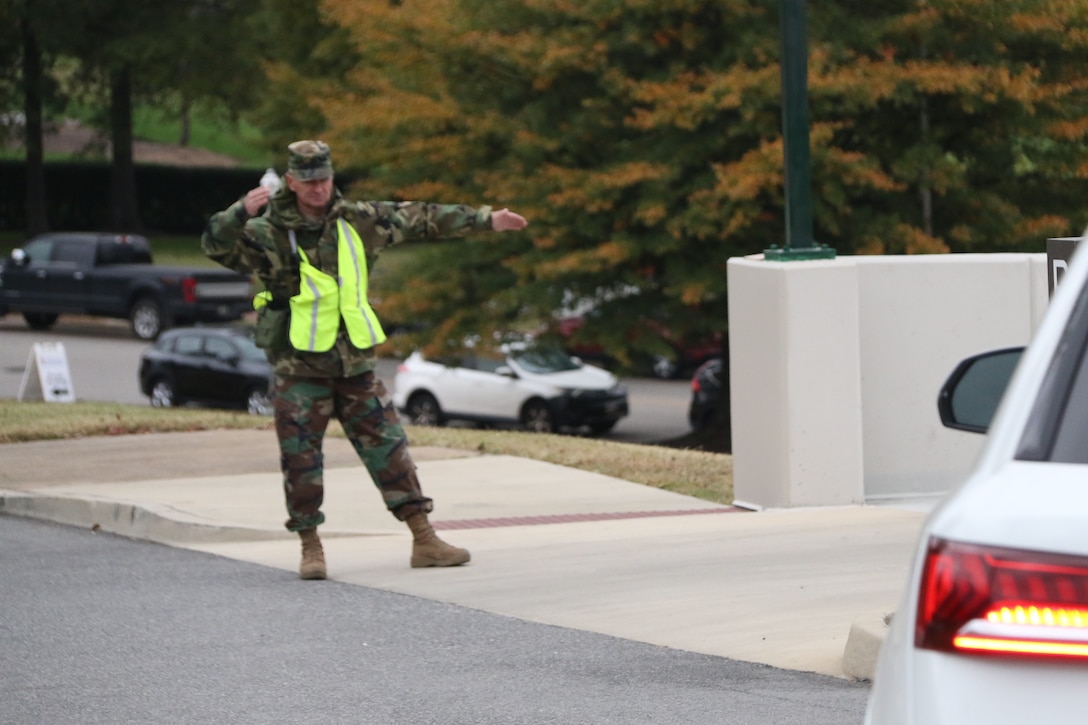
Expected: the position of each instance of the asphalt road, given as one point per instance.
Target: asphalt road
(103, 358)
(102, 629)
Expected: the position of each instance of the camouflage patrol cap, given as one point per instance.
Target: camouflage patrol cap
(308, 160)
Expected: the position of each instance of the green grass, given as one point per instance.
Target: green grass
(704, 475)
(17, 154)
(183, 250)
(209, 128)
(9, 241)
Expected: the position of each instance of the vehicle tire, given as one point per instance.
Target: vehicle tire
(537, 417)
(704, 421)
(258, 401)
(602, 428)
(664, 368)
(146, 318)
(423, 409)
(39, 320)
(162, 394)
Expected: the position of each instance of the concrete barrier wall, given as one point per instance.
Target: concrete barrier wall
(836, 365)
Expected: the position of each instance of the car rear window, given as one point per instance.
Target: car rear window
(249, 349)
(124, 250)
(74, 251)
(545, 360)
(1057, 428)
(219, 349)
(189, 345)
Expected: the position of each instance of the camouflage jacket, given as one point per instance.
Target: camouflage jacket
(260, 246)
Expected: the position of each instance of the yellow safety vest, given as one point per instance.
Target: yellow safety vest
(323, 300)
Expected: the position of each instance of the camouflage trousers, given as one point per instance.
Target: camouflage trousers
(303, 408)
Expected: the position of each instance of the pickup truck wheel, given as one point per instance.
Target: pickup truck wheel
(146, 318)
(537, 417)
(162, 394)
(39, 320)
(258, 402)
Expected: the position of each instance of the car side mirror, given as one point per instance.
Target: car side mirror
(506, 371)
(970, 396)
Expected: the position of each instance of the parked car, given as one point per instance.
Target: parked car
(706, 393)
(539, 388)
(993, 624)
(682, 354)
(213, 366)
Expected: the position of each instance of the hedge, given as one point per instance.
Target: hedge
(170, 199)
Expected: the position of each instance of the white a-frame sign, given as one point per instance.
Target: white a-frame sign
(46, 376)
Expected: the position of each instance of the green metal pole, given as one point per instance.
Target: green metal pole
(795, 135)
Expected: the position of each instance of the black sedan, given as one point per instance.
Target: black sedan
(213, 366)
(706, 393)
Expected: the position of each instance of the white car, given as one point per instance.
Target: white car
(993, 625)
(541, 389)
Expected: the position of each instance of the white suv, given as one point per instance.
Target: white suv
(542, 389)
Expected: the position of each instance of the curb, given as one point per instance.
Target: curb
(150, 522)
(137, 521)
(863, 644)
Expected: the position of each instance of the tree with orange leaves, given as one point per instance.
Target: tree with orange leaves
(643, 139)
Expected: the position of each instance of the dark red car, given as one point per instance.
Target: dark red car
(685, 354)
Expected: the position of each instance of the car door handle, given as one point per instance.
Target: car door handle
(78, 275)
(40, 274)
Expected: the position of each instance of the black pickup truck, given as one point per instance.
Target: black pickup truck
(112, 275)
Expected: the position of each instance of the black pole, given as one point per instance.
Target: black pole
(795, 135)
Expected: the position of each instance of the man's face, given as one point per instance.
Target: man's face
(313, 195)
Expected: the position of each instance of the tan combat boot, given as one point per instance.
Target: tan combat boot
(313, 557)
(428, 549)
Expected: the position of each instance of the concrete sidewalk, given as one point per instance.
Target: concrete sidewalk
(798, 589)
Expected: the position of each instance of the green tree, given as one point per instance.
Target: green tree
(185, 50)
(124, 50)
(33, 78)
(212, 36)
(303, 55)
(27, 56)
(642, 139)
(976, 110)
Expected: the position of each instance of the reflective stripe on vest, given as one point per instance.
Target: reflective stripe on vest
(322, 300)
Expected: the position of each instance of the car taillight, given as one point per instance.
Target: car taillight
(188, 289)
(695, 386)
(990, 601)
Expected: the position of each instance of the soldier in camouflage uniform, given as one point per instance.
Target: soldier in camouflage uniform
(311, 250)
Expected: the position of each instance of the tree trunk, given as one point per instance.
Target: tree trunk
(926, 190)
(37, 219)
(125, 213)
(186, 121)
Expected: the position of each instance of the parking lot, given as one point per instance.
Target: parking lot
(103, 358)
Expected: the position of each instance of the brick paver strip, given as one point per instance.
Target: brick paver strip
(571, 518)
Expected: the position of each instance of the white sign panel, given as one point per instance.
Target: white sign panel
(47, 376)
